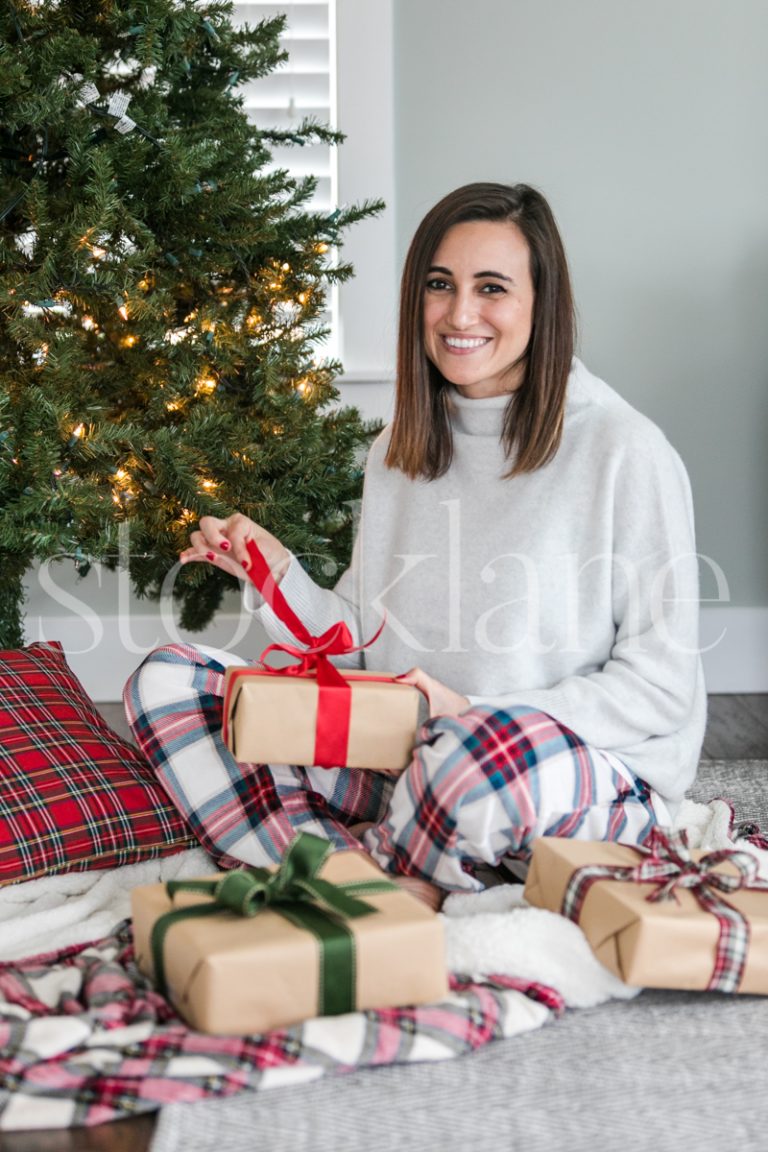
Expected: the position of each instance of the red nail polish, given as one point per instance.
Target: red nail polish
(245, 564)
(224, 545)
(210, 556)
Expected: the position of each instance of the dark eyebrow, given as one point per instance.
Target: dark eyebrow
(478, 275)
(496, 275)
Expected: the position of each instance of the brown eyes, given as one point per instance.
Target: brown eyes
(490, 288)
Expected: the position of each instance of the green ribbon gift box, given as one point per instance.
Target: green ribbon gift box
(257, 948)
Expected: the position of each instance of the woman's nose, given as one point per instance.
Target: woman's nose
(463, 309)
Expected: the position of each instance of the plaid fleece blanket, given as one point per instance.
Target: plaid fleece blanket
(84, 1038)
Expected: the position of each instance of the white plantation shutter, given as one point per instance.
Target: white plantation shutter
(304, 86)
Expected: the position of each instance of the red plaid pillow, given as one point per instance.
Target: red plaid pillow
(73, 795)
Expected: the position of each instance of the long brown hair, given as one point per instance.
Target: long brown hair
(421, 444)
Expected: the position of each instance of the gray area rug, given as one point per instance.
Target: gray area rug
(667, 1072)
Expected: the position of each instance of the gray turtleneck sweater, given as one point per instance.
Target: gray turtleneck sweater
(572, 589)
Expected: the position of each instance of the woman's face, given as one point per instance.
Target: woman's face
(478, 307)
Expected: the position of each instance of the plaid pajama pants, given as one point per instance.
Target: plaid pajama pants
(479, 790)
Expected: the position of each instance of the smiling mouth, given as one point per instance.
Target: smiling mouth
(465, 343)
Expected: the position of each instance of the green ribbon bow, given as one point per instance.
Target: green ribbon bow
(296, 892)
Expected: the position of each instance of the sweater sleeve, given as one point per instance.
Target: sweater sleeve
(647, 686)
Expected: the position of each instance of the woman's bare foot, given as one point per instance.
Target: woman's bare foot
(358, 830)
(429, 894)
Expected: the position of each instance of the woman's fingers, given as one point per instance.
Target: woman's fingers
(240, 531)
(224, 543)
(418, 678)
(216, 532)
(198, 547)
(236, 531)
(201, 549)
(442, 700)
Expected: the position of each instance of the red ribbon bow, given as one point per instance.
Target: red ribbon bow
(334, 692)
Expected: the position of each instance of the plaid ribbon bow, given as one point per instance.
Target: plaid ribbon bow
(667, 862)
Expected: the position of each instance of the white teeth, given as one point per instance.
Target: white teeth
(466, 341)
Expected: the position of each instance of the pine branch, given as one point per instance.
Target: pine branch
(162, 299)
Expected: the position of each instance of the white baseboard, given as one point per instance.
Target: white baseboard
(104, 650)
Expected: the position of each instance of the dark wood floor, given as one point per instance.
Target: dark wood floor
(737, 729)
(123, 1136)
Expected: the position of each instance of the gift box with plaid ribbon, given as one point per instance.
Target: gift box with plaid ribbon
(256, 948)
(662, 915)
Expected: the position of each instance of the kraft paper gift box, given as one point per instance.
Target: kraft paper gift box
(311, 713)
(238, 975)
(666, 943)
(272, 719)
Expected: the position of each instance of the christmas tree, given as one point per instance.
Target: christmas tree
(162, 293)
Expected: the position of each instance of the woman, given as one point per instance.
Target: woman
(529, 537)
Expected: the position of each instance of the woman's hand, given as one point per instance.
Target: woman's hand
(442, 700)
(223, 543)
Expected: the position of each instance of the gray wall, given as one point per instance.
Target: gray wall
(645, 125)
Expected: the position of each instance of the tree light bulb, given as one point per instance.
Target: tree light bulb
(79, 431)
(123, 311)
(205, 386)
(88, 323)
(209, 485)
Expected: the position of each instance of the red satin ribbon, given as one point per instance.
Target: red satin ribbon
(334, 701)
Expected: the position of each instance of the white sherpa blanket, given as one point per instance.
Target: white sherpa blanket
(488, 932)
